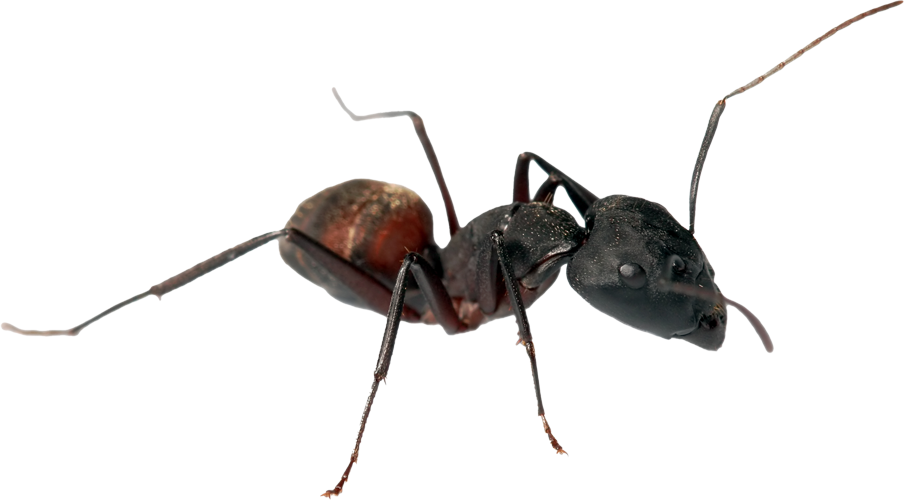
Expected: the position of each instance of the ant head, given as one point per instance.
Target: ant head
(635, 257)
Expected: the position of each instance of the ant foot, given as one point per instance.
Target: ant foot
(552, 439)
(338, 489)
(335, 491)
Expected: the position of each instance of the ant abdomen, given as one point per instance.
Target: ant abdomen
(371, 224)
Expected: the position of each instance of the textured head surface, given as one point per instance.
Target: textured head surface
(633, 246)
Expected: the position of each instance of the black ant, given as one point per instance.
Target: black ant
(696, 316)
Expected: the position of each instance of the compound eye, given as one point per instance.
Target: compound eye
(633, 275)
(678, 266)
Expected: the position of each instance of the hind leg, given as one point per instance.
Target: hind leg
(440, 303)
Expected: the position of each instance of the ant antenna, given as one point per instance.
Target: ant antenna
(720, 106)
(418, 123)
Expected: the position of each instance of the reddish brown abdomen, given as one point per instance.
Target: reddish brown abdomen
(371, 224)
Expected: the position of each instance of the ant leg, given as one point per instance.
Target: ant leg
(428, 149)
(493, 255)
(547, 191)
(169, 285)
(432, 286)
(374, 293)
(580, 196)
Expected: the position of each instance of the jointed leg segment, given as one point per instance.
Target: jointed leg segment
(580, 196)
(169, 285)
(430, 283)
(499, 256)
(418, 123)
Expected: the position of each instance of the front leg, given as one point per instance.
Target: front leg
(580, 196)
(494, 256)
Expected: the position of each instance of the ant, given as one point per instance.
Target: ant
(363, 240)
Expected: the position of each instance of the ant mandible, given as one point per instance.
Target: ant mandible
(631, 260)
